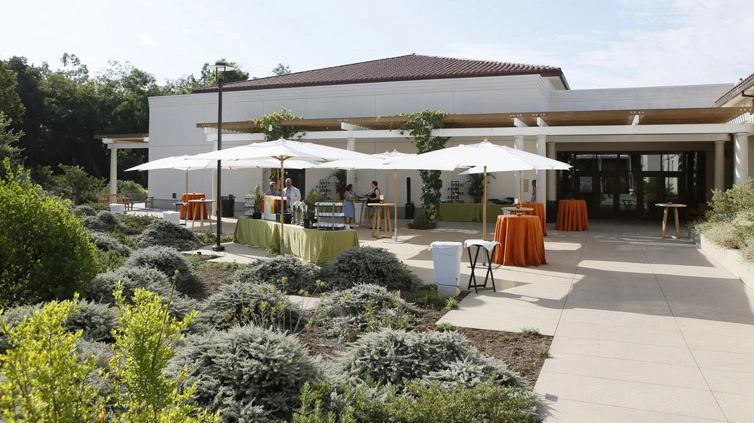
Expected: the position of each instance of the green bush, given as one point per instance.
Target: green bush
(105, 242)
(289, 274)
(45, 252)
(83, 211)
(377, 266)
(240, 304)
(134, 224)
(421, 402)
(167, 234)
(246, 371)
(104, 221)
(393, 356)
(725, 205)
(346, 314)
(173, 264)
(75, 184)
(130, 187)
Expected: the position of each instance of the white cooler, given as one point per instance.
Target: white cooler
(118, 208)
(172, 216)
(447, 267)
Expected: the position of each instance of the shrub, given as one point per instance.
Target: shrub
(164, 233)
(172, 264)
(134, 224)
(421, 402)
(392, 356)
(83, 211)
(42, 379)
(100, 354)
(105, 242)
(726, 204)
(104, 221)
(245, 371)
(126, 186)
(289, 274)
(368, 265)
(346, 314)
(240, 304)
(76, 184)
(45, 253)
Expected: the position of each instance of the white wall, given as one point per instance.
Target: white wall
(638, 98)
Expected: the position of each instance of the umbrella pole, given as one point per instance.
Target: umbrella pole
(521, 188)
(395, 205)
(484, 206)
(282, 208)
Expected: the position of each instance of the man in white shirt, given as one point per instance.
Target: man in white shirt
(291, 193)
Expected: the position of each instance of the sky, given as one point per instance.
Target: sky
(597, 43)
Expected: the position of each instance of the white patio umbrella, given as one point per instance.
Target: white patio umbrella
(187, 163)
(380, 161)
(481, 158)
(282, 151)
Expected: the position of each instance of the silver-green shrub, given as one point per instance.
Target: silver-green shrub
(362, 265)
(367, 307)
(289, 274)
(104, 221)
(168, 234)
(240, 304)
(83, 211)
(394, 356)
(244, 371)
(173, 264)
(105, 242)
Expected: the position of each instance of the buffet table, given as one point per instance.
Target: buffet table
(318, 247)
(468, 212)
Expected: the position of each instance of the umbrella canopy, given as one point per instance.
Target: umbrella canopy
(380, 161)
(281, 151)
(188, 163)
(482, 157)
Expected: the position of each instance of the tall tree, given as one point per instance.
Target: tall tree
(10, 101)
(281, 69)
(8, 141)
(209, 76)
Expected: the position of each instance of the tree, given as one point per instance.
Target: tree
(46, 253)
(10, 101)
(209, 76)
(281, 69)
(8, 141)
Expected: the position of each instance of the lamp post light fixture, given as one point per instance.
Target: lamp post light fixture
(220, 68)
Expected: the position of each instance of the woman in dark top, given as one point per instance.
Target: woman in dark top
(374, 196)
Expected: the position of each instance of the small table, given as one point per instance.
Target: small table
(518, 211)
(200, 207)
(381, 210)
(628, 204)
(489, 250)
(185, 208)
(675, 208)
(539, 211)
(572, 216)
(521, 241)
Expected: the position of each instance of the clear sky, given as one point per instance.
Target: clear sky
(597, 43)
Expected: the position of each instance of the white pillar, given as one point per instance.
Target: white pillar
(518, 143)
(113, 171)
(541, 174)
(719, 165)
(552, 193)
(740, 157)
(350, 174)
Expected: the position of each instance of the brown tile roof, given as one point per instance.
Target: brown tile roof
(737, 89)
(401, 68)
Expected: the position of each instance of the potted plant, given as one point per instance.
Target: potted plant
(476, 189)
(258, 198)
(341, 182)
(311, 200)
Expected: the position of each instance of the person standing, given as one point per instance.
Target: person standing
(274, 192)
(533, 191)
(292, 194)
(349, 209)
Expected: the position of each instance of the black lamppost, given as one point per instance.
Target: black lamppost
(219, 68)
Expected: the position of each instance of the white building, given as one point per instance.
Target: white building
(648, 144)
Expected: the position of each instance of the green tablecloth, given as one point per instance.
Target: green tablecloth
(315, 246)
(467, 212)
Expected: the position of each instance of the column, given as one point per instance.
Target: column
(740, 157)
(113, 171)
(541, 174)
(518, 143)
(552, 193)
(719, 165)
(350, 174)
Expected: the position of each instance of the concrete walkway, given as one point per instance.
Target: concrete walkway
(645, 330)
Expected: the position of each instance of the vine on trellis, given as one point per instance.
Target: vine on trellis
(270, 125)
(420, 125)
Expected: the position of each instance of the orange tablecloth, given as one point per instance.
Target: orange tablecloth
(539, 211)
(572, 216)
(521, 241)
(192, 211)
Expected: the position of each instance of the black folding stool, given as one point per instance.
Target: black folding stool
(489, 250)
